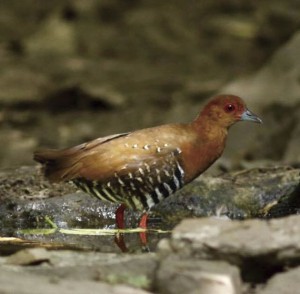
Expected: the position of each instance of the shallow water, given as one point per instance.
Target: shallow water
(106, 239)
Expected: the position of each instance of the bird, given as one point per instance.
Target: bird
(141, 168)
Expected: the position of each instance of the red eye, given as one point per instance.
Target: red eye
(229, 108)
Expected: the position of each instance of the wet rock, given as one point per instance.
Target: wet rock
(177, 275)
(28, 207)
(266, 193)
(259, 192)
(284, 283)
(258, 247)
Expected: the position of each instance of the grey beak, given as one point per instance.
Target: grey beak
(250, 116)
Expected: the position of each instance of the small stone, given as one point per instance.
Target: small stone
(29, 257)
(197, 276)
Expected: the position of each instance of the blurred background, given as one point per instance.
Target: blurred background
(71, 71)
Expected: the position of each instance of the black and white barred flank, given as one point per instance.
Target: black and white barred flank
(141, 188)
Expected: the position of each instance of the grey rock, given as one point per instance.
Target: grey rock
(197, 276)
(240, 238)
(133, 270)
(14, 281)
(256, 246)
(277, 81)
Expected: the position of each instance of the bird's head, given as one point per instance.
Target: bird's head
(225, 110)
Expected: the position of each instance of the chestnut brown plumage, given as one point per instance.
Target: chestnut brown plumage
(141, 168)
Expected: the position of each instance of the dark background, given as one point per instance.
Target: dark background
(71, 71)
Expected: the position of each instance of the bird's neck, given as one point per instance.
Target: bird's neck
(207, 147)
(209, 129)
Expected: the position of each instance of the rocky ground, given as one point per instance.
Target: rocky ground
(206, 255)
(74, 70)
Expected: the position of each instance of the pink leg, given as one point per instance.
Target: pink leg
(120, 217)
(143, 225)
(143, 221)
(119, 237)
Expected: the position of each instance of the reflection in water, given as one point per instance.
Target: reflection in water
(97, 240)
(102, 240)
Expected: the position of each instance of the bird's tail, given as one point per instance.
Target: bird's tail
(57, 164)
(66, 164)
